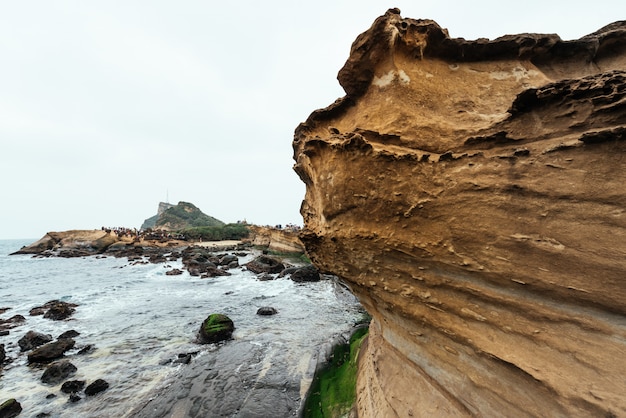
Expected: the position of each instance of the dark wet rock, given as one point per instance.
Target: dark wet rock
(12, 322)
(55, 309)
(3, 310)
(215, 328)
(51, 351)
(205, 390)
(265, 264)
(51, 396)
(58, 372)
(39, 310)
(42, 415)
(306, 274)
(200, 262)
(157, 258)
(173, 272)
(4, 332)
(69, 334)
(33, 339)
(89, 348)
(60, 310)
(229, 259)
(214, 273)
(266, 311)
(265, 277)
(72, 386)
(184, 358)
(288, 270)
(96, 387)
(74, 398)
(10, 408)
(3, 354)
(72, 253)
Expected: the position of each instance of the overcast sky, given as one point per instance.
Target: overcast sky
(108, 107)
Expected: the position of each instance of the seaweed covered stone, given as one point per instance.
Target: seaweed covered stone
(215, 328)
(10, 408)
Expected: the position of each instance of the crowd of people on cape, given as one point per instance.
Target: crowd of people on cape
(289, 227)
(144, 234)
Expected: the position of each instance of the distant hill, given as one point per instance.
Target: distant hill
(181, 216)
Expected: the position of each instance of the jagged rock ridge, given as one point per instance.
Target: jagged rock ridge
(472, 195)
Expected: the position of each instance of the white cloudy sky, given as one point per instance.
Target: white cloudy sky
(108, 106)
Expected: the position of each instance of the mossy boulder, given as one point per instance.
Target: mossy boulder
(216, 328)
(10, 408)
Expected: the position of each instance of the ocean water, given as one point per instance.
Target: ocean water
(139, 320)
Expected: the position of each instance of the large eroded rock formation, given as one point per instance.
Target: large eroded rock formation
(473, 195)
(282, 240)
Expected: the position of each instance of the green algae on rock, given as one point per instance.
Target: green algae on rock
(215, 328)
(333, 391)
(10, 408)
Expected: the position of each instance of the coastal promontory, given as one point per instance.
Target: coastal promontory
(471, 193)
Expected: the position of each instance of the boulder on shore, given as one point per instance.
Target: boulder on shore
(51, 351)
(10, 408)
(99, 385)
(58, 372)
(266, 311)
(55, 309)
(215, 328)
(265, 264)
(306, 274)
(201, 262)
(10, 323)
(72, 386)
(33, 339)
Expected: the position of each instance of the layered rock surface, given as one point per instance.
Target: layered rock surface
(472, 193)
(275, 239)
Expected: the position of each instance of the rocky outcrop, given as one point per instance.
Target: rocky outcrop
(87, 241)
(265, 264)
(97, 386)
(276, 239)
(33, 339)
(57, 372)
(51, 351)
(471, 194)
(81, 243)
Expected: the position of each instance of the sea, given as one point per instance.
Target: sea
(139, 321)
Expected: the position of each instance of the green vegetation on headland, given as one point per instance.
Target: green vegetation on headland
(190, 222)
(185, 215)
(333, 390)
(216, 233)
(180, 216)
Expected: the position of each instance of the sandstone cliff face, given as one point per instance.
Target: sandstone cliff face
(472, 193)
(282, 240)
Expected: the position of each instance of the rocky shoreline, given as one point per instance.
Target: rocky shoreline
(200, 261)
